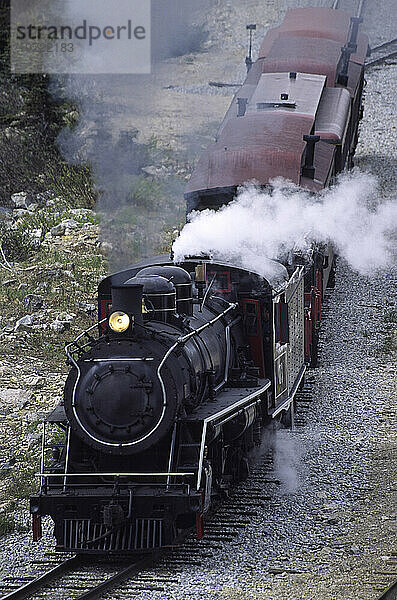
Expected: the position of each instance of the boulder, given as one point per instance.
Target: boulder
(65, 317)
(58, 230)
(86, 307)
(58, 326)
(25, 323)
(21, 200)
(7, 466)
(66, 227)
(82, 212)
(15, 398)
(17, 213)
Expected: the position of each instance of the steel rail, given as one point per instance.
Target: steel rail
(68, 566)
(384, 45)
(361, 8)
(118, 578)
(32, 586)
(390, 593)
(336, 5)
(380, 59)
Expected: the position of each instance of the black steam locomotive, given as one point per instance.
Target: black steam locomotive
(166, 397)
(170, 391)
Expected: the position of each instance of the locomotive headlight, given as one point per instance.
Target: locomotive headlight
(119, 322)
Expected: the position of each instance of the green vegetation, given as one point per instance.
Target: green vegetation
(16, 244)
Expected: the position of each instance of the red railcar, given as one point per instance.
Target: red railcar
(296, 116)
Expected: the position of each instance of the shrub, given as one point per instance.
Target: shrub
(16, 244)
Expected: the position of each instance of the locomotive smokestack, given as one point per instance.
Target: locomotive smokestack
(128, 299)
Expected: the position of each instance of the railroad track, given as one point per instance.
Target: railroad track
(77, 578)
(360, 8)
(390, 593)
(380, 54)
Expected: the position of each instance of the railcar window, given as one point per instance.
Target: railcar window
(221, 283)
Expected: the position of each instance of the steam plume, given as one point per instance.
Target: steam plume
(262, 224)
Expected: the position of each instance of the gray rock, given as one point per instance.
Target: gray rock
(86, 307)
(36, 234)
(58, 326)
(15, 398)
(70, 224)
(7, 466)
(17, 213)
(58, 230)
(105, 248)
(150, 171)
(65, 317)
(25, 323)
(43, 285)
(21, 200)
(81, 212)
(64, 228)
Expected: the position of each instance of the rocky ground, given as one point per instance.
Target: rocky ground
(333, 520)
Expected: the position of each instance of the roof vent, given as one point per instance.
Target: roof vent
(308, 169)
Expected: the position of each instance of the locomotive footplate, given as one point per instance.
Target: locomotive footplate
(136, 519)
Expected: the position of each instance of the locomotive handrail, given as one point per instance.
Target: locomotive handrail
(114, 474)
(74, 342)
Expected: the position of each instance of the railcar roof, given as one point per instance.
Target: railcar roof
(260, 146)
(318, 23)
(305, 55)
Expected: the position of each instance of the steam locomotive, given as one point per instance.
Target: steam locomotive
(170, 391)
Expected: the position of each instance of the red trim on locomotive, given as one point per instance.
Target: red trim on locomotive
(36, 527)
(104, 304)
(254, 335)
(200, 525)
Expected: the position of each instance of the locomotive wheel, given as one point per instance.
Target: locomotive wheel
(287, 418)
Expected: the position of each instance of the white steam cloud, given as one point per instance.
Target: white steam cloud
(260, 225)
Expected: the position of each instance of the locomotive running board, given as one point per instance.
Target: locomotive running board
(285, 404)
(227, 404)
